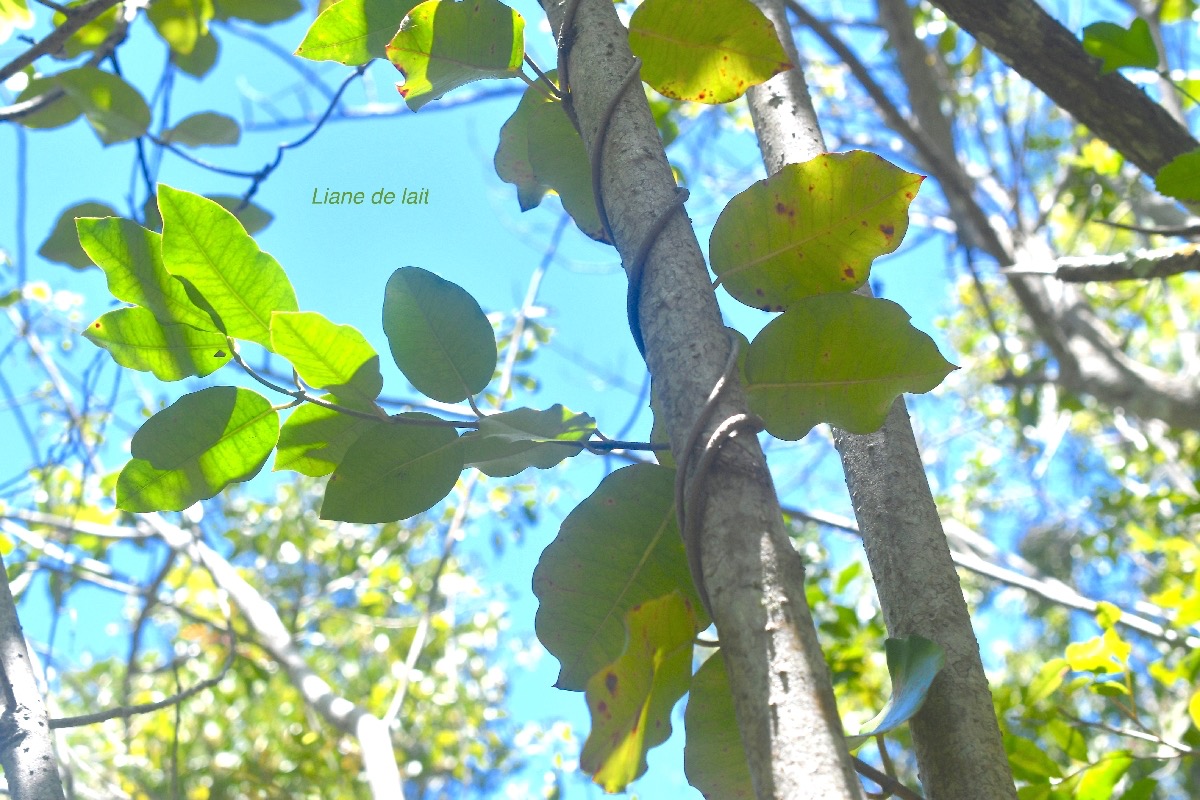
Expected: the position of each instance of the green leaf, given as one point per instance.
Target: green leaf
(394, 473)
(202, 58)
(205, 245)
(514, 157)
(115, 110)
(328, 356)
(205, 128)
(1100, 779)
(180, 23)
(1181, 177)
(508, 443)
(1194, 708)
(630, 700)
(1048, 680)
(1121, 47)
(1100, 654)
(618, 548)
(354, 31)
(714, 760)
(14, 15)
(711, 57)
(137, 340)
(913, 662)
(262, 12)
(811, 228)
(1028, 761)
(1141, 790)
(841, 359)
(87, 38)
(62, 245)
(62, 111)
(443, 44)
(560, 161)
(131, 258)
(440, 339)
(195, 447)
(314, 439)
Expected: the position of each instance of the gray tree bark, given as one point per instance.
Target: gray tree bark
(755, 579)
(959, 749)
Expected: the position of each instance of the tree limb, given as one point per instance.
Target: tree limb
(54, 41)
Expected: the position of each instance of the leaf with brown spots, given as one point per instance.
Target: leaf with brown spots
(811, 228)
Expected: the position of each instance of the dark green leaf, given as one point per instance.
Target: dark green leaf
(440, 338)
(1181, 177)
(913, 662)
(205, 128)
(202, 58)
(62, 245)
(62, 111)
(1121, 47)
(115, 110)
(618, 548)
(713, 757)
(394, 473)
(508, 443)
(314, 439)
(263, 12)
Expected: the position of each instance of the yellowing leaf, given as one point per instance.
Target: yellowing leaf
(711, 54)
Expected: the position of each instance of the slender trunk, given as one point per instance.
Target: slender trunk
(782, 693)
(959, 750)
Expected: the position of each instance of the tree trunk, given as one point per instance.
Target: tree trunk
(755, 579)
(959, 749)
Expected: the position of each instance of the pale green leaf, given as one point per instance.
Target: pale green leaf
(180, 23)
(336, 358)
(115, 110)
(14, 15)
(137, 340)
(713, 757)
(354, 31)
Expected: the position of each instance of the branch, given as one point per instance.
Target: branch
(1048, 55)
(1139, 265)
(54, 41)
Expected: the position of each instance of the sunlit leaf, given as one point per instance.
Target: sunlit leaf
(205, 245)
(394, 473)
(713, 56)
(1181, 177)
(508, 443)
(86, 38)
(616, 549)
(630, 700)
(336, 358)
(841, 359)
(314, 439)
(195, 447)
(713, 757)
(443, 44)
(354, 31)
(137, 340)
(1100, 779)
(202, 58)
(180, 23)
(62, 245)
(913, 662)
(440, 339)
(1028, 761)
(811, 228)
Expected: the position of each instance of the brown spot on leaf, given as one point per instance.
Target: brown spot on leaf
(888, 230)
(610, 682)
(849, 273)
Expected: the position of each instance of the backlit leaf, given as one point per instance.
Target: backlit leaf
(14, 15)
(841, 359)
(137, 340)
(913, 662)
(62, 111)
(180, 23)
(205, 128)
(508, 443)
(314, 439)
(711, 56)
(88, 37)
(618, 548)
(440, 339)
(336, 358)
(354, 31)
(443, 44)
(1181, 177)
(1121, 47)
(394, 473)
(812, 228)
(630, 700)
(62, 245)
(205, 245)
(115, 110)
(197, 446)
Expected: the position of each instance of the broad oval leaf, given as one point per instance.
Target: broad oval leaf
(630, 700)
(262, 12)
(841, 359)
(137, 340)
(710, 56)
(811, 228)
(62, 111)
(353, 32)
(508, 443)
(443, 44)
(713, 757)
(1121, 47)
(1180, 178)
(913, 662)
(131, 258)
(202, 58)
(195, 447)
(62, 245)
(180, 23)
(514, 159)
(314, 439)
(205, 245)
(115, 110)
(204, 128)
(84, 39)
(336, 358)
(394, 473)
(440, 338)
(618, 548)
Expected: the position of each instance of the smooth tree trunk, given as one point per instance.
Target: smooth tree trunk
(782, 693)
(959, 749)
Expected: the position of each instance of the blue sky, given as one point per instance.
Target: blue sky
(339, 258)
